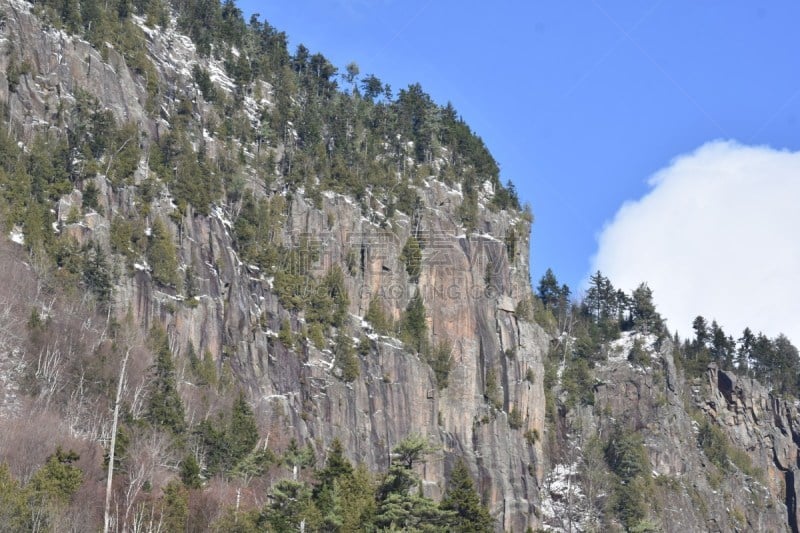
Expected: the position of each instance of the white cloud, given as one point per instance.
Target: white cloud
(718, 235)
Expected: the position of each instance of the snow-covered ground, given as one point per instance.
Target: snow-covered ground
(16, 235)
(619, 349)
(562, 500)
(12, 365)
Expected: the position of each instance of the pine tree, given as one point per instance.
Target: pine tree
(511, 244)
(346, 359)
(400, 503)
(785, 365)
(243, 432)
(329, 302)
(625, 454)
(14, 511)
(377, 316)
(371, 87)
(90, 193)
(165, 408)
(411, 256)
(336, 466)
(59, 478)
(744, 353)
(471, 516)
(175, 507)
(555, 297)
(722, 346)
(643, 310)
(762, 356)
(548, 290)
(161, 254)
(327, 492)
(97, 274)
(190, 283)
(190, 472)
(440, 360)
(357, 500)
(414, 327)
(602, 306)
(212, 435)
(701, 335)
(468, 210)
(292, 507)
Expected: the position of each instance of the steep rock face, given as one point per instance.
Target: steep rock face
(397, 393)
(687, 491)
(764, 425)
(237, 312)
(59, 65)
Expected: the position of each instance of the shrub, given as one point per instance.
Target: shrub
(524, 310)
(316, 335)
(414, 328)
(492, 389)
(204, 83)
(530, 376)
(346, 359)
(161, 255)
(377, 316)
(440, 360)
(411, 256)
(715, 445)
(578, 383)
(625, 454)
(285, 334)
(638, 356)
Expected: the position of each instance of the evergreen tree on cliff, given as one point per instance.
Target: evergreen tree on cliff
(165, 407)
(471, 516)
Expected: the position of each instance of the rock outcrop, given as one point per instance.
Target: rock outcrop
(764, 425)
(687, 490)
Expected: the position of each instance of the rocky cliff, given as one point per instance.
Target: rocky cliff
(719, 451)
(236, 312)
(720, 454)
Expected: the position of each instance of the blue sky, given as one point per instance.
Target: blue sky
(579, 101)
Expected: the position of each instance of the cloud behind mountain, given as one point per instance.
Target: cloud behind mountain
(717, 235)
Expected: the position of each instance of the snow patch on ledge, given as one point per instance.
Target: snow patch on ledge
(17, 236)
(219, 213)
(618, 350)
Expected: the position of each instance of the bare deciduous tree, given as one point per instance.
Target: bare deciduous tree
(112, 445)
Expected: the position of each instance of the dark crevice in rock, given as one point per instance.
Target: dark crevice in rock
(791, 500)
(726, 384)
